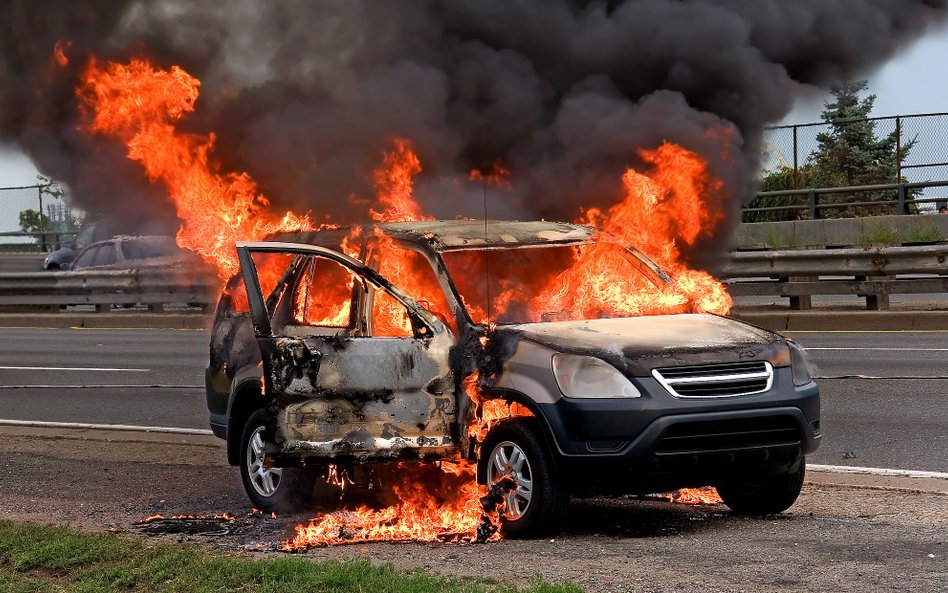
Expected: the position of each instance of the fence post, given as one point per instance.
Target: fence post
(898, 149)
(903, 191)
(811, 201)
(796, 172)
(42, 241)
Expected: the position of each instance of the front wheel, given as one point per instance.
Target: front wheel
(285, 489)
(534, 503)
(763, 495)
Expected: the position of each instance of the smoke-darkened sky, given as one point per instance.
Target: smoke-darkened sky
(305, 95)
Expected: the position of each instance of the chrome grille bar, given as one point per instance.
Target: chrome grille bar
(718, 380)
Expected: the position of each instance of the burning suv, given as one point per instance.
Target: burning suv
(444, 339)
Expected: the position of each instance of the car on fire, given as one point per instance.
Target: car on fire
(323, 358)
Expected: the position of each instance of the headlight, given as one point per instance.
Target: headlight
(799, 365)
(589, 377)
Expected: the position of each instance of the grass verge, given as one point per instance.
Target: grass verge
(41, 559)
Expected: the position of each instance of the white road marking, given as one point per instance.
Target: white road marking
(811, 348)
(98, 369)
(876, 471)
(88, 426)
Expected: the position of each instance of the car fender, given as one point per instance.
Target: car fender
(246, 395)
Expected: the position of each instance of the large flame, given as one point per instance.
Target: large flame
(139, 104)
(662, 209)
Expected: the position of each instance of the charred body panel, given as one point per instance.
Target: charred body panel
(364, 397)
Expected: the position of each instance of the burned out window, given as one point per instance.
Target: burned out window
(390, 319)
(324, 294)
(270, 268)
(410, 271)
(552, 283)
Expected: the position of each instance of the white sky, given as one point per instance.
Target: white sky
(913, 82)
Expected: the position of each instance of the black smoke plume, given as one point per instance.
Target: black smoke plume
(305, 94)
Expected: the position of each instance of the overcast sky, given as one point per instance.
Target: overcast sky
(914, 82)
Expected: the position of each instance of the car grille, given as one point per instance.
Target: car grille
(729, 435)
(716, 380)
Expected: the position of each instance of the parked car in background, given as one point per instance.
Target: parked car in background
(62, 258)
(125, 252)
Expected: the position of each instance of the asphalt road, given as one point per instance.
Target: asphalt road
(885, 394)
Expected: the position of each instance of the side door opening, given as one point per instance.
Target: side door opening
(339, 390)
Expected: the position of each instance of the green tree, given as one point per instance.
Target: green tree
(849, 153)
(32, 221)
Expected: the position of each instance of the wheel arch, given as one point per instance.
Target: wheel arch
(538, 421)
(246, 397)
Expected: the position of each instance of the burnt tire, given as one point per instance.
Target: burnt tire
(517, 449)
(763, 495)
(286, 489)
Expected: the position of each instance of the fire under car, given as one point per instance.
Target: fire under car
(348, 347)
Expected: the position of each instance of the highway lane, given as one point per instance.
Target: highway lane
(876, 354)
(898, 423)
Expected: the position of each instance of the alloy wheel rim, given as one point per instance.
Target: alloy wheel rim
(508, 459)
(265, 480)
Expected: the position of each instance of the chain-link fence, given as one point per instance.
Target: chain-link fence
(901, 149)
(46, 231)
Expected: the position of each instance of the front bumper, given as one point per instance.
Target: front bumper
(659, 440)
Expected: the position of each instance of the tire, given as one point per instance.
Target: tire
(765, 495)
(519, 450)
(286, 489)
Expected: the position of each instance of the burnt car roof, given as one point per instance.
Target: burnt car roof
(446, 235)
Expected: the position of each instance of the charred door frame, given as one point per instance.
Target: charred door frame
(426, 327)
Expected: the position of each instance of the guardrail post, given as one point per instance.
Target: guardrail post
(803, 302)
(811, 202)
(876, 301)
(903, 193)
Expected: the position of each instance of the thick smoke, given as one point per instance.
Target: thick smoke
(304, 95)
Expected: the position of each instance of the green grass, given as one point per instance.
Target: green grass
(41, 559)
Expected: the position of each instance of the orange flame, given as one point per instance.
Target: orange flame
(139, 104)
(496, 175)
(59, 55)
(393, 184)
(435, 504)
(696, 496)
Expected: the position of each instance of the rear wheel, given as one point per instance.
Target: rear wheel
(535, 503)
(763, 495)
(270, 489)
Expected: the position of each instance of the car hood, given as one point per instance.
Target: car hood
(636, 345)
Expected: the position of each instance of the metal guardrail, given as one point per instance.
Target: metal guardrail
(798, 275)
(153, 287)
(872, 273)
(812, 207)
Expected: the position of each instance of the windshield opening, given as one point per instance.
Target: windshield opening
(555, 283)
